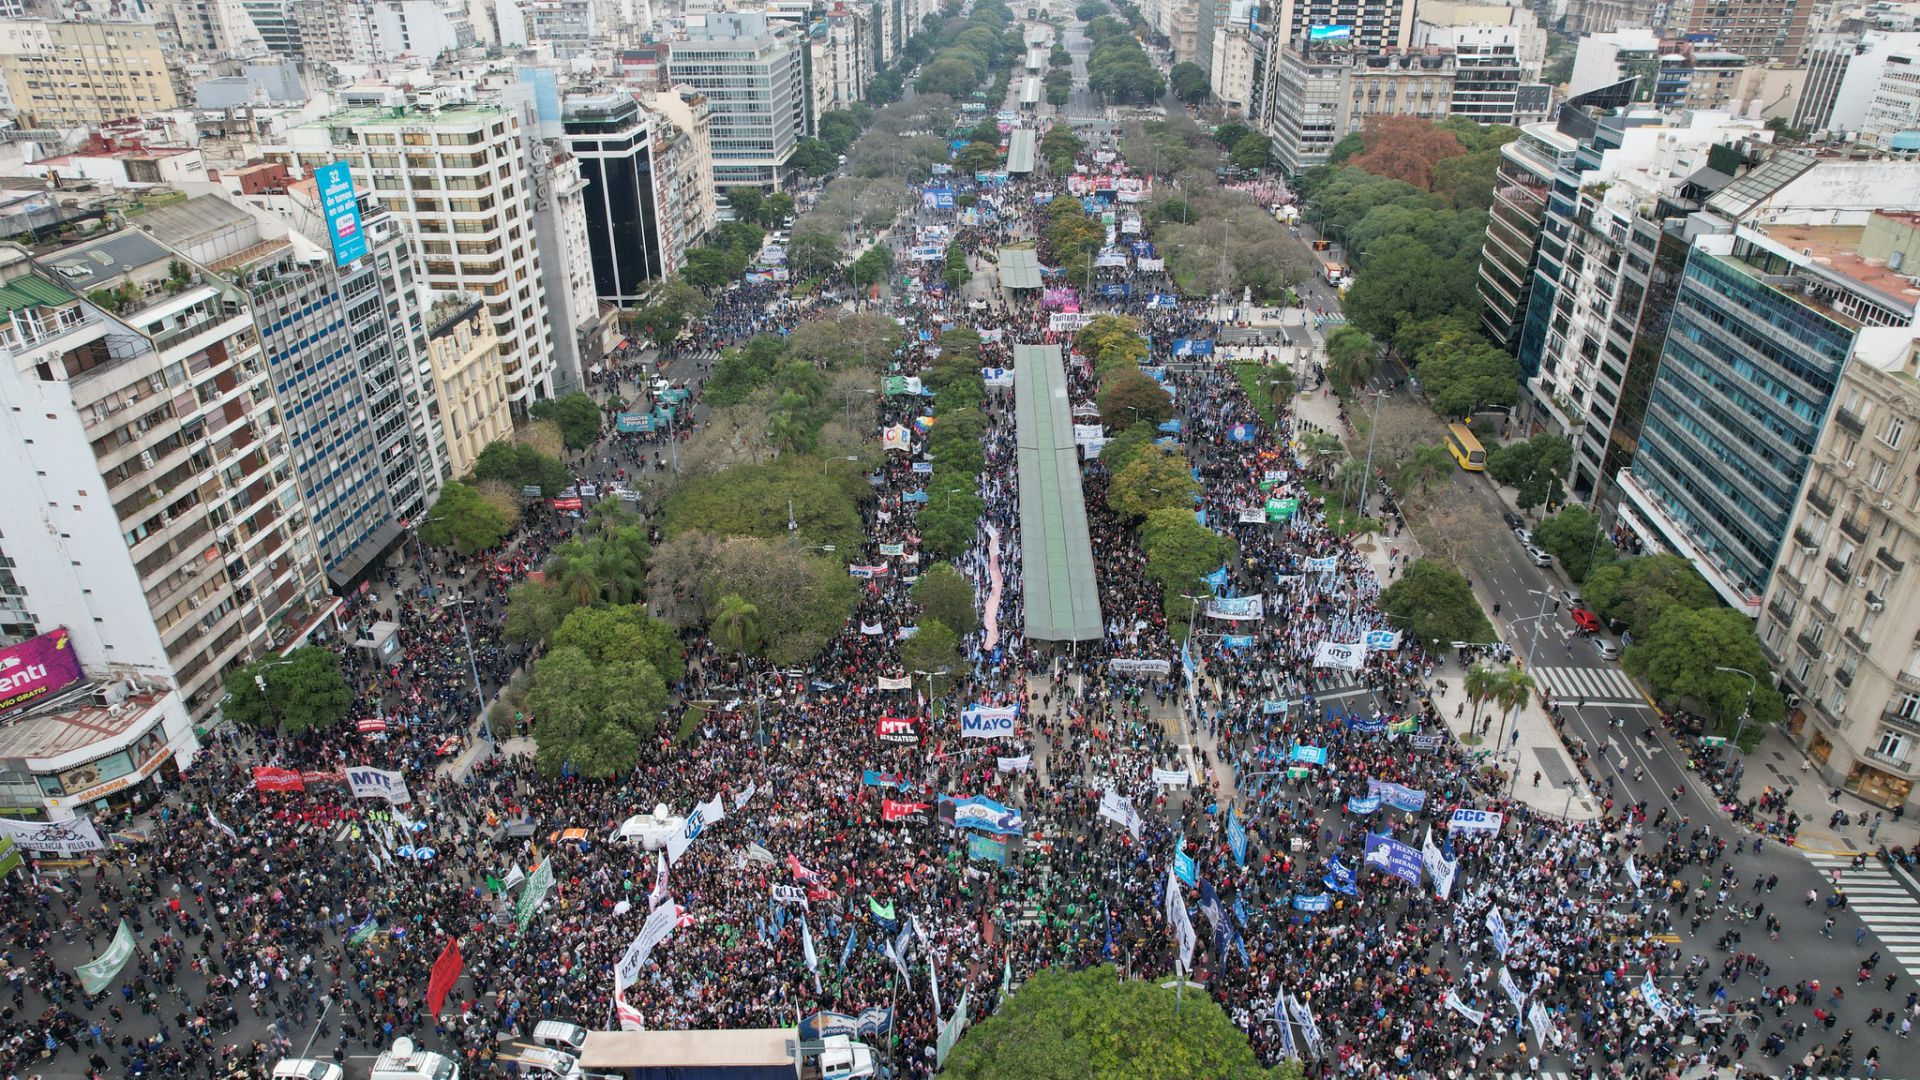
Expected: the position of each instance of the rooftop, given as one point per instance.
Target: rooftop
(98, 263)
(58, 733)
(1836, 247)
(373, 115)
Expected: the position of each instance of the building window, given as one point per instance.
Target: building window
(1877, 473)
(1894, 432)
(1908, 707)
(1892, 745)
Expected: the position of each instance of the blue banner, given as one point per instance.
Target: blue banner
(1391, 856)
(1339, 878)
(1269, 708)
(341, 209)
(1357, 804)
(1398, 796)
(870, 1022)
(1310, 755)
(1192, 347)
(1241, 433)
(1237, 838)
(1115, 288)
(1162, 302)
(1238, 641)
(986, 847)
(1183, 867)
(875, 778)
(1313, 903)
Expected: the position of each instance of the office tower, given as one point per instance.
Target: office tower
(456, 174)
(1367, 25)
(613, 137)
(1507, 260)
(1767, 319)
(750, 72)
(154, 505)
(1760, 30)
(344, 339)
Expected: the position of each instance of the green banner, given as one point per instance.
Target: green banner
(880, 912)
(1282, 509)
(536, 891)
(97, 975)
(950, 1031)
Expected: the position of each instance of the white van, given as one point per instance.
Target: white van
(649, 831)
(560, 1035)
(307, 1069)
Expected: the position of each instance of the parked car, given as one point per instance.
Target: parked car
(1607, 647)
(1525, 536)
(1586, 620)
(1539, 557)
(1513, 520)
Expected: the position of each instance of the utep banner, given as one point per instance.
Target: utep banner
(367, 782)
(1391, 856)
(1334, 654)
(1244, 607)
(980, 812)
(988, 722)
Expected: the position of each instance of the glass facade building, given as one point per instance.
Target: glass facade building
(612, 137)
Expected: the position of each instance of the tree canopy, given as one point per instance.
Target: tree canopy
(1639, 590)
(1680, 657)
(1534, 467)
(1573, 536)
(577, 416)
(1433, 602)
(1066, 1025)
(466, 520)
(1157, 478)
(299, 692)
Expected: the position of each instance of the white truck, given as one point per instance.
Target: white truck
(406, 1062)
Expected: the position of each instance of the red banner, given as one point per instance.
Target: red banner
(904, 811)
(371, 726)
(566, 504)
(446, 972)
(271, 779)
(898, 729)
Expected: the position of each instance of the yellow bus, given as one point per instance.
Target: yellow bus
(1466, 449)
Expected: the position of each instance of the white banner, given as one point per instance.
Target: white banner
(1537, 1016)
(1255, 516)
(790, 894)
(1512, 990)
(1475, 1017)
(988, 722)
(871, 629)
(746, 796)
(711, 812)
(70, 837)
(1182, 925)
(1087, 434)
(1633, 872)
(1172, 777)
(1068, 320)
(658, 926)
(902, 683)
(367, 782)
(1123, 666)
(1150, 266)
(1465, 820)
(1440, 868)
(1118, 810)
(1243, 607)
(1015, 764)
(1335, 654)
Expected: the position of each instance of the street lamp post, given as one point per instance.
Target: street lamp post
(1747, 709)
(1373, 435)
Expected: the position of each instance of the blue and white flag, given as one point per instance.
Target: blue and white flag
(1237, 838)
(1287, 1048)
(1339, 878)
(1497, 930)
(1393, 857)
(1323, 902)
(1183, 867)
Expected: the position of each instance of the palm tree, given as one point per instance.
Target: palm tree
(736, 624)
(1322, 442)
(1426, 467)
(1514, 689)
(1351, 358)
(1481, 684)
(571, 572)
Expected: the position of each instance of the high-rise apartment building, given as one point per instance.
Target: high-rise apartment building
(1760, 30)
(83, 74)
(1322, 94)
(843, 55)
(1768, 316)
(568, 27)
(1844, 72)
(750, 72)
(1842, 615)
(154, 507)
(1367, 25)
(1527, 167)
(346, 355)
(456, 174)
(686, 177)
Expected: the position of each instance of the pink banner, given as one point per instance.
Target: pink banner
(36, 669)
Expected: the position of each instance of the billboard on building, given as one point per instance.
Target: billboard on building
(1329, 33)
(342, 212)
(37, 669)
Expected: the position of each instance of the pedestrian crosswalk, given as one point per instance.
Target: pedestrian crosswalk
(1595, 686)
(1880, 901)
(1331, 318)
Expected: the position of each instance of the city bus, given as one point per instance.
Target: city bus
(1466, 449)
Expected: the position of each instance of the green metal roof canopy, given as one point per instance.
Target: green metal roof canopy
(1019, 268)
(1061, 597)
(1022, 150)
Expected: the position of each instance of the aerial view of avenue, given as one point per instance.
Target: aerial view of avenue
(980, 539)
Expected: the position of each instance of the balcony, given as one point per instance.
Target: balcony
(1780, 611)
(1812, 645)
(1908, 680)
(1849, 422)
(1852, 637)
(1887, 759)
(1803, 537)
(1841, 571)
(1819, 502)
(1892, 563)
(1854, 529)
(1892, 718)
(1843, 676)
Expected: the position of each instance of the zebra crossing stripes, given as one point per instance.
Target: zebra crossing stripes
(1879, 900)
(1595, 686)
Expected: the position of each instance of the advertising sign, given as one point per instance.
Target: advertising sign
(37, 668)
(1329, 33)
(342, 212)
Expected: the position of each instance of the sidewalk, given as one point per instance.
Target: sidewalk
(1323, 411)
(1778, 763)
(1559, 791)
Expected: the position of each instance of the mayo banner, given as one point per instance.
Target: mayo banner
(1244, 607)
(1122, 666)
(980, 812)
(988, 722)
(1465, 820)
(1388, 855)
(37, 668)
(70, 837)
(1171, 777)
(1334, 654)
(367, 782)
(1115, 808)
